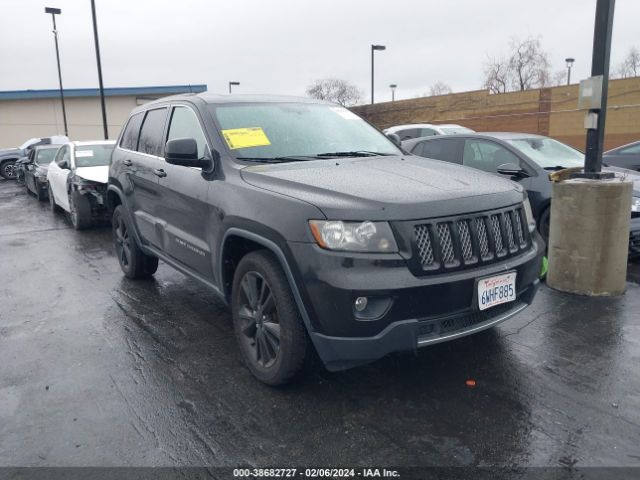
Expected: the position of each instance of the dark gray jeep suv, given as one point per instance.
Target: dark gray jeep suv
(316, 229)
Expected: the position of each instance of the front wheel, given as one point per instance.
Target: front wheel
(135, 264)
(52, 202)
(545, 224)
(8, 169)
(79, 211)
(266, 320)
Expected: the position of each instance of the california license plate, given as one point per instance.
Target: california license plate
(496, 290)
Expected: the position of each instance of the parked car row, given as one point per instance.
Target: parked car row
(72, 176)
(9, 157)
(525, 158)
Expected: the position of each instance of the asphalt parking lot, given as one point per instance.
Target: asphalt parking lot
(98, 370)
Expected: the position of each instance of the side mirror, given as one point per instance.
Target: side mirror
(395, 139)
(512, 170)
(183, 151)
(64, 165)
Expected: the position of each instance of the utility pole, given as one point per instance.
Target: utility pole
(599, 68)
(373, 49)
(95, 37)
(54, 12)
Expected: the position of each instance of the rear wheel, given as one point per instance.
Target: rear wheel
(79, 211)
(8, 169)
(267, 323)
(133, 261)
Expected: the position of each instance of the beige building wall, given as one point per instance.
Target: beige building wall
(26, 118)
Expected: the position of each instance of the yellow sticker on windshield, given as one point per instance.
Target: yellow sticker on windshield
(245, 137)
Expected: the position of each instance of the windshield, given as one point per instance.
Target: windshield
(549, 153)
(276, 130)
(45, 156)
(31, 141)
(454, 130)
(93, 155)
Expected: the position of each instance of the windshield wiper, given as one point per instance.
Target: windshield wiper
(557, 167)
(357, 153)
(290, 158)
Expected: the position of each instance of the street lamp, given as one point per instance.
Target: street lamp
(393, 87)
(569, 65)
(373, 49)
(95, 38)
(54, 12)
(233, 83)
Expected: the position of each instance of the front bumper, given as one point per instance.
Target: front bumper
(420, 310)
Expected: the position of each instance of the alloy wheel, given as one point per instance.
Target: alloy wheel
(10, 171)
(123, 242)
(259, 319)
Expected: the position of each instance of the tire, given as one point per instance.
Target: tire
(544, 224)
(52, 202)
(40, 194)
(79, 211)
(267, 324)
(135, 264)
(8, 170)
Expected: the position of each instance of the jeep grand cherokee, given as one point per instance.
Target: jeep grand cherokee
(317, 229)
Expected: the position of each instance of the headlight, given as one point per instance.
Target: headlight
(531, 222)
(635, 204)
(354, 236)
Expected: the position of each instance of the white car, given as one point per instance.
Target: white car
(416, 130)
(78, 179)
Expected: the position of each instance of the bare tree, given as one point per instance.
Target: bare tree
(630, 66)
(496, 74)
(527, 66)
(439, 88)
(335, 90)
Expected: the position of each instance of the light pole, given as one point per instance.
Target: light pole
(393, 87)
(54, 12)
(569, 65)
(95, 37)
(233, 83)
(373, 49)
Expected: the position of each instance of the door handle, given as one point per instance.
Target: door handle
(127, 162)
(160, 172)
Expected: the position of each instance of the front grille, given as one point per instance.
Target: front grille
(465, 241)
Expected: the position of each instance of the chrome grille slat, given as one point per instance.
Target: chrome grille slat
(466, 241)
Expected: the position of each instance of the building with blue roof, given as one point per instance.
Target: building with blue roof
(26, 114)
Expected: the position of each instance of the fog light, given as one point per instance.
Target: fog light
(360, 304)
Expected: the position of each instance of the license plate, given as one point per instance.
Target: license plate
(496, 290)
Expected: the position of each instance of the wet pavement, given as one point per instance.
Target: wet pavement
(98, 370)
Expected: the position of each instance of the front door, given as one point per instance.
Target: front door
(183, 207)
(58, 173)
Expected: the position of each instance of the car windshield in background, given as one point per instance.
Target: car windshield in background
(298, 131)
(93, 155)
(455, 130)
(549, 153)
(45, 156)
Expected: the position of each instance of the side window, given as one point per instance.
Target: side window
(487, 155)
(408, 133)
(633, 149)
(442, 149)
(184, 124)
(426, 132)
(151, 132)
(132, 130)
(62, 157)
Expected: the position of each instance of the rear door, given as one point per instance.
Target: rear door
(183, 209)
(141, 149)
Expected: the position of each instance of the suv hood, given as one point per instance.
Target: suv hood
(13, 152)
(96, 174)
(386, 188)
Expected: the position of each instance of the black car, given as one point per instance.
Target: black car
(316, 229)
(525, 158)
(34, 170)
(627, 156)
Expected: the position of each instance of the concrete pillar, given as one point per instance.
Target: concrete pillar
(589, 237)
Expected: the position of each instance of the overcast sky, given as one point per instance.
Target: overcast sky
(280, 46)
